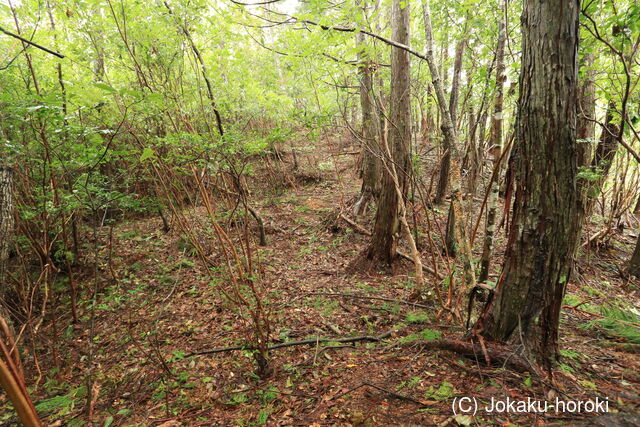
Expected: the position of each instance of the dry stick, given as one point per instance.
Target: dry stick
(494, 174)
(389, 392)
(355, 225)
(424, 267)
(310, 341)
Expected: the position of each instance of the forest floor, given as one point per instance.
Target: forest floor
(157, 303)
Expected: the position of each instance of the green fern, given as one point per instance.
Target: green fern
(617, 323)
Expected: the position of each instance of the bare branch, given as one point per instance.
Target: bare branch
(23, 40)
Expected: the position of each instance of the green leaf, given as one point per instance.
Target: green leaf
(263, 417)
(147, 153)
(105, 87)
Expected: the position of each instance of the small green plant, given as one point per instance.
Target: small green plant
(63, 404)
(588, 384)
(411, 383)
(417, 317)
(571, 354)
(566, 368)
(425, 334)
(444, 392)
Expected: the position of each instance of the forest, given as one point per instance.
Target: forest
(319, 212)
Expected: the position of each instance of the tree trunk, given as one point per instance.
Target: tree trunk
(455, 84)
(445, 162)
(443, 181)
(634, 262)
(384, 240)
(6, 233)
(450, 136)
(591, 181)
(370, 149)
(495, 148)
(544, 231)
(585, 129)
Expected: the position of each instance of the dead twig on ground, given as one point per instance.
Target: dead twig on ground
(385, 390)
(310, 341)
(335, 294)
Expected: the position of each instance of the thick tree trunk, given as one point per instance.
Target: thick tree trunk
(473, 158)
(495, 148)
(384, 240)
(370, 148)
(634, 263)
(544, 231)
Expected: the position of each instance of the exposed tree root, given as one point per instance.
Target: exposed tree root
(497, 354)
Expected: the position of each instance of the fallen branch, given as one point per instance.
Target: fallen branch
(309, 341)
(389, 392)
(429, 269)
(591, 241)
(355, 225)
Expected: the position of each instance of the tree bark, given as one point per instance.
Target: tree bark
(544, 231)
(370, 148)
(585, 129)
(384, 240)
(443, 181)
(6, 233)
(634, 262)
(591, 181)
(495, 147)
